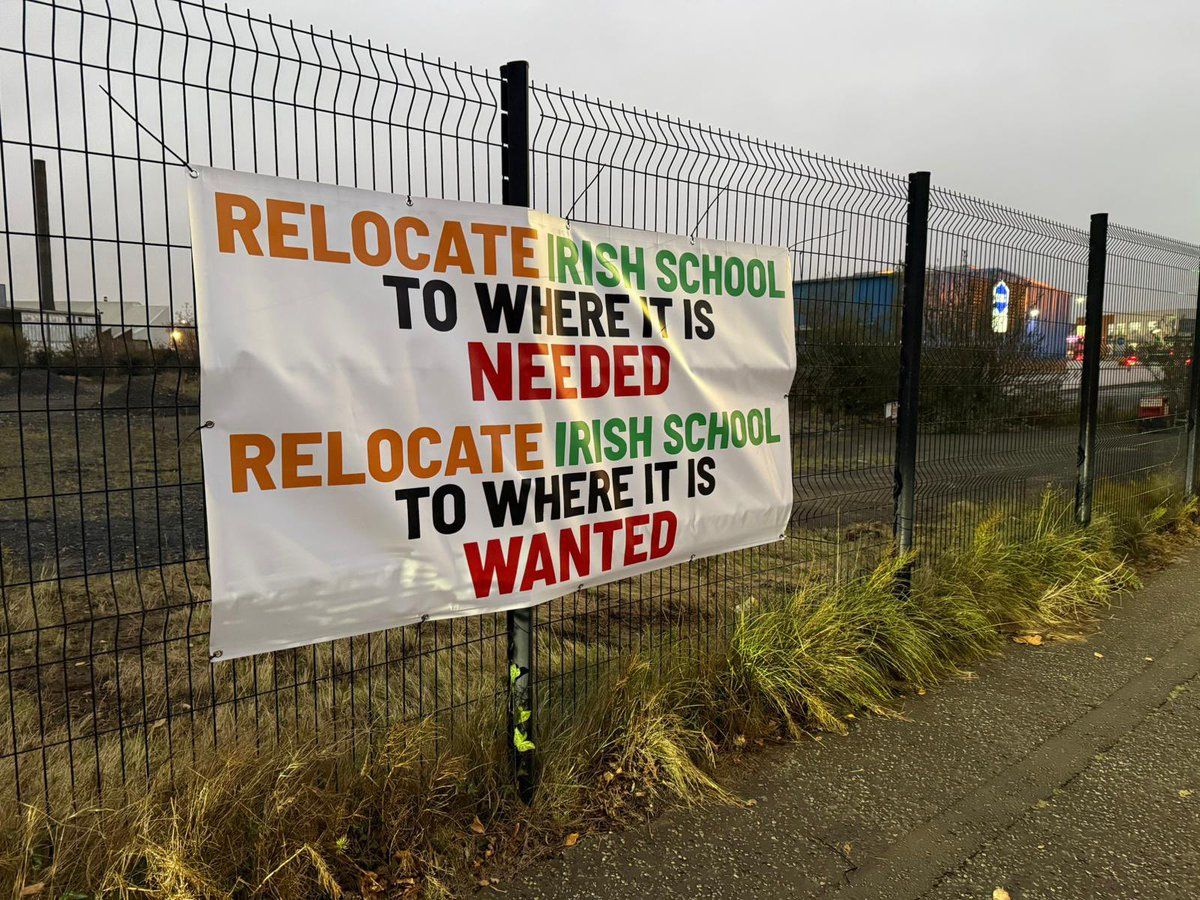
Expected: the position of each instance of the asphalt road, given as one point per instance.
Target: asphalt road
(1066, 770)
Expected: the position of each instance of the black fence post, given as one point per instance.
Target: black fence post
(514, 168)
(1089, 377)
(1193, 417)
(912, 323)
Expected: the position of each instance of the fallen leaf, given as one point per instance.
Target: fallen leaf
(608, 776)
(1001, 894)
(921, 692)
(739, 740)
(847, 847)
(849, 715)
(1033, 640)
(572, 839)
(1098, 655)
(32, 890)
(477, 826)
(1185, 793)
(1148, 658)
(751, 802)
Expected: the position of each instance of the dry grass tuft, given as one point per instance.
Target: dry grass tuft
(294, 821)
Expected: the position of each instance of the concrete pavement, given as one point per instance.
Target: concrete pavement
(1065, 770)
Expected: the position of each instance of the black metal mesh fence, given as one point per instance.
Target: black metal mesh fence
(1145, 363)
(999, 398)
(594, 161)
(103, 575)
(105, 588)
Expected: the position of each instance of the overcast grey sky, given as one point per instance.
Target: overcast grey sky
(1061, 107)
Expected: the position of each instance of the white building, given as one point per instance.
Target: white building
(1152, 325)
(127, 322)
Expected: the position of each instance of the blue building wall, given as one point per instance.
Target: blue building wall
(868, 298)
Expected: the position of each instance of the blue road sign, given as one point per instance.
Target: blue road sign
(1000, 297)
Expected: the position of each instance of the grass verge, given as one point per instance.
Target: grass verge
(430, 812)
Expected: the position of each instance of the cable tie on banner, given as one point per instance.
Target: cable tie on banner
(408, 200)
(816, 238)
(117, 103)
(208, 424)
(704, 215)
(600, 168)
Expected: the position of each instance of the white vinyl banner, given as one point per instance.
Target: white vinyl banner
(425, 408)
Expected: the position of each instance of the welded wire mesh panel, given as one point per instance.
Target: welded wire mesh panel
(103, 561)
(103, 577)
(1150, 296)
(600, 162)
(1000, 366)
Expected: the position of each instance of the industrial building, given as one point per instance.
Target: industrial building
(135, 326)
(864, 305)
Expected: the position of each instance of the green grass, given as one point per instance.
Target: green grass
(422, 809)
